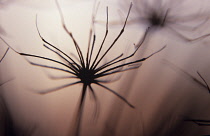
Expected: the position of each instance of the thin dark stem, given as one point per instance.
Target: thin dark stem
(200, 122)
(31, 55)
(6, 82)
(71, 64)
(133, 62)
(4, 54)
(8, 45)
(204, 81)
(50, 67)
(138, 46)
(118, 71)
(87, 56)
(80, 110)
(71, 35)
(58, 88)
(116, 39)
(92, 30)
(164, 19)
(61, 77)
(185, 73)
(107, 63)
(96, 102)
(45, 41)
(94, 38)
(119, 96)
(101, 46)
(108, 81)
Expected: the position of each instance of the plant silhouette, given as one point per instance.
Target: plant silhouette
(88, 71)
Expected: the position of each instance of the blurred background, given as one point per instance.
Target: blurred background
(166, 90)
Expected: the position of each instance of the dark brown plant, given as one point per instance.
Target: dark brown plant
(87, 70)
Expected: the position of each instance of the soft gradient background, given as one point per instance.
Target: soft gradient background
(162, 94)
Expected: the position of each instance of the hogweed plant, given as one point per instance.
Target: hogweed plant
(199, 122)
(159, 14)
(88, 71)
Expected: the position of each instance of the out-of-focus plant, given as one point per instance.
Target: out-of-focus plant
(4, 3)
(207, 86)
(8, 126)
(204, 84)
(160, 14)
(187, 75)
(201, 122)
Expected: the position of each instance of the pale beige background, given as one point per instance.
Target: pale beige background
(162, 96)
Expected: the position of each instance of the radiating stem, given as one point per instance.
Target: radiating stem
(80, 111)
